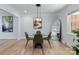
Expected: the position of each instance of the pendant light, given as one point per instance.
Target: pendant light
(37, 20)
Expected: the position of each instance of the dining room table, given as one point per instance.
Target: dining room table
(32, 36)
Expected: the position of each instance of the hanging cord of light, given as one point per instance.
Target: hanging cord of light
(40, 11)
(37, 11)
(38, 6)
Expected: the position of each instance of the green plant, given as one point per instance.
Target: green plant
(77, 45)
(78, 40)
(74, 31)
(78, 33)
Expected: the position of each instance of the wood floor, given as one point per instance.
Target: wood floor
(17, 47)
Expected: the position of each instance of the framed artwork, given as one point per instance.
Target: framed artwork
(37, 23)
(7, 23)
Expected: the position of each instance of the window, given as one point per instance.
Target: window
(74, 22)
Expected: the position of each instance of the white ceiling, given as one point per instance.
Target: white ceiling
(31, 8)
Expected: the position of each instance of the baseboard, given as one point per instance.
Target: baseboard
(8, 39)
(18, 38)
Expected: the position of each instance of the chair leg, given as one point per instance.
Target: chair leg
(42, 51)
(33, 48)
(49, 44)
(26, 43)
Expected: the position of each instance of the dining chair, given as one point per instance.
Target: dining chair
(48, 38)
(27, 38)
(38, 41)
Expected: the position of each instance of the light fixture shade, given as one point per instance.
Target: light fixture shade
(37, 23)
(38, 19)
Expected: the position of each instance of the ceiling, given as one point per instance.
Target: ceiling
(31, 8)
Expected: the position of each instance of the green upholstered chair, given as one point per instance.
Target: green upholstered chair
(38, 41)
(48, 38)
(27, 38)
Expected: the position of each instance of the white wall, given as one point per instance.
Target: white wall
(8, 35)
(67, 38)
(27, 24)
(56, 26)
(9, 9)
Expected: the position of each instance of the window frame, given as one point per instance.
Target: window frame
(69, 23)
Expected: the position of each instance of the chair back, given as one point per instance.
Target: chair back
(49, 35)
(38, 39)
(26, 35)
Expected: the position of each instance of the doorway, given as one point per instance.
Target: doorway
(57, 31)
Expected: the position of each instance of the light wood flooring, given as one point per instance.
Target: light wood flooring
(17, 47)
